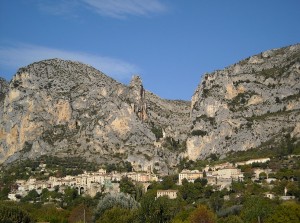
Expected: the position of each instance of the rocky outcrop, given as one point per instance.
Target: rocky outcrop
(247, 105)
(65, 108)
(3, 91)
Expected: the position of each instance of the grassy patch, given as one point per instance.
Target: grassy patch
(239, 102)
(157, 131)
(211, 120)
(174, 145)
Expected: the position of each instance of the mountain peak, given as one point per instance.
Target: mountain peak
(136, 80)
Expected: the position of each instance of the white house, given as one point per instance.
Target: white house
(171, 194)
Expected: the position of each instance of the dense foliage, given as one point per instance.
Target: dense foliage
(13, 214)
(243, 202)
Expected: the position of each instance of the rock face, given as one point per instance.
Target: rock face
(247, 105)
(65, 108)
(3, 91)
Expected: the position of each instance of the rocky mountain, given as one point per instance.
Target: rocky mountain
(254, 103)
(65, 108)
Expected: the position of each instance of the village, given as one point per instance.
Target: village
(219, 176)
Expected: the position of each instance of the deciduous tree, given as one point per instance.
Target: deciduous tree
(256, 209)
(158, 210)
(202, 215)
(288, 212)
(127, 186)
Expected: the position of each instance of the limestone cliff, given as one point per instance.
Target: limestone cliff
(3, 91)
(66, 108)
(251, 104)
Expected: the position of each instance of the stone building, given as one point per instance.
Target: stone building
(189, 175)
(229, 173)
(171, 194)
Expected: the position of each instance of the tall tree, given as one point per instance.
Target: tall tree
(169, 182)
(127, 186)
(158, 210)
(189, 192)
(31, 196)
(70, 195)
(256, 209)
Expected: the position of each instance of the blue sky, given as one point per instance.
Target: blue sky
(169, 43)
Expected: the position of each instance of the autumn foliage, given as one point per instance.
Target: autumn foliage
(202, 215)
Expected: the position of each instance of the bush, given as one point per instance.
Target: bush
(47, 213)
(157, 131)
(199, 133)
(80, 213)
(110, 201)
(230, 219)
(118, 215)
(31, 196)
(174, 145)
